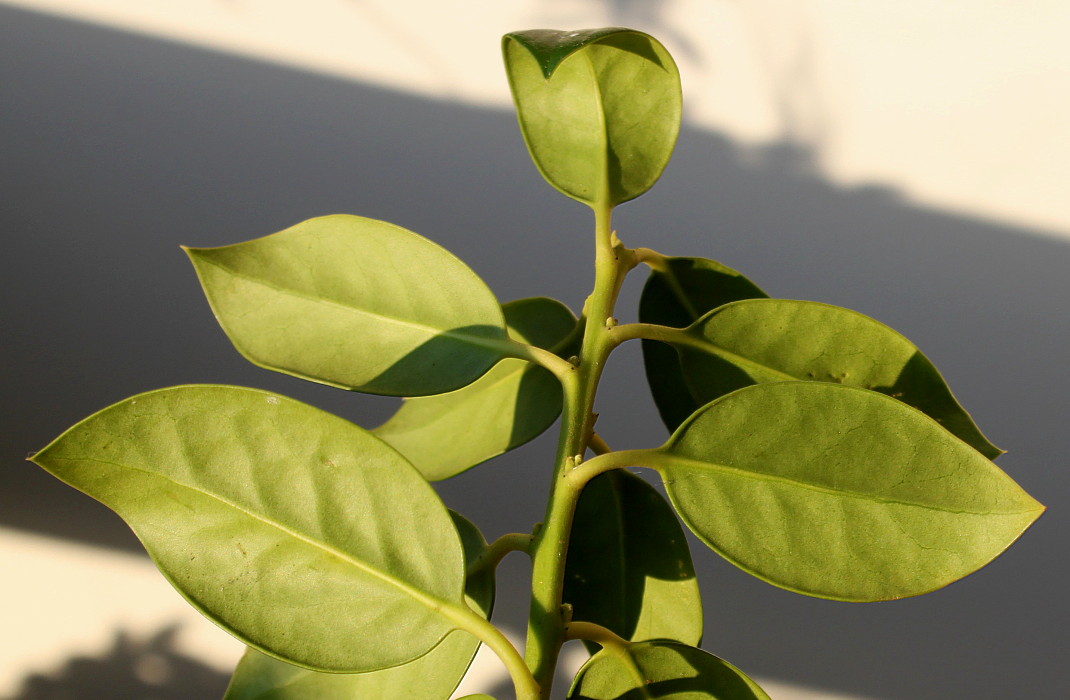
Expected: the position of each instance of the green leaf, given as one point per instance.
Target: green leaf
(599, 109)
(661, 669)
(433, 676)
(303, 535)
(764, 340)
(678, 295)
(839, 492)
(629, 568)
(508, 406)
(354, 303)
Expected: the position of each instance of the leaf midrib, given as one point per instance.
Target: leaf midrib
(434, 604)
(668, 460)
(499, 344)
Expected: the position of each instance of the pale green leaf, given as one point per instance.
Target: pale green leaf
(599, 109)
(677, 295)
(433, 676)
(762, 340)
(661, 670)
(511, 404)
(355, 303)
(303, 535)
(629, 568)
(839, 492)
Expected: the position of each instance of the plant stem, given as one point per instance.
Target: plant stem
(546, 624)
(492, 555)
(611, 644)
(523, 682)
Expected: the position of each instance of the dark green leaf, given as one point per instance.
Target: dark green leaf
(354, 303)
(629, 568)
(599, 109)
(298, 532)
(839, 492)
(677, 296)
(506, 407)
(433, 676)
(662, 670)
(763, 340)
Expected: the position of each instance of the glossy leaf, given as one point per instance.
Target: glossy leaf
(629, 568)
(677, 296)
(839, 492)
(512, 403)
(599, 109)
(354, 303)
(303, 535)
(662, 670)
(763, 340)
(433, 676)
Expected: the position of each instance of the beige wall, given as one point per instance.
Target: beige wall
(961, 104)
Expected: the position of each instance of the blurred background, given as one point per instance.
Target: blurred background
(907, 160)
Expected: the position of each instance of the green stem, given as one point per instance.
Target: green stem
(612, 644)
(602, 636)
(609, 461)
(546, 623)
(523, 682)
(544, 358)
(492, 555)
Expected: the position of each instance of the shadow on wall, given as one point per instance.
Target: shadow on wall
(131, 670)
(115, 149)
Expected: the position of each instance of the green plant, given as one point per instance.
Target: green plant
(811, 446)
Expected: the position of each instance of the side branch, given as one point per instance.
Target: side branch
(562, 369)
(609, 461)
(492, 555)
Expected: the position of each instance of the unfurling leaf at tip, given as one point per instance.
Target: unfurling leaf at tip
(677, 295)
(432, 676)
(662, 670)
(763, 340)
(839, 492)
(300, 533)
(599, 109)
(511, 404)
(629, 567)
(357, 304)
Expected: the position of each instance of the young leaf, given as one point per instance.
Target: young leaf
(354, 303)
(839, 492)
(298, 532)
(661, 669)
(763, 340)
(432, 676)
(629, 568)
(599, 109)
(509, 405)
(677, 296)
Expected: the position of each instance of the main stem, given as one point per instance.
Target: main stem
(547, 618)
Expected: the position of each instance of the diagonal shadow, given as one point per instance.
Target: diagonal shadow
(114, 149)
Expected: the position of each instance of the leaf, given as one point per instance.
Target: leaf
(433, 676)
(599, 109)
(301, 534)
(677, 296)
(511, 404)
(662, 669)
(763, 340)
(354, 303)
(838, 492)
(629, 568)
